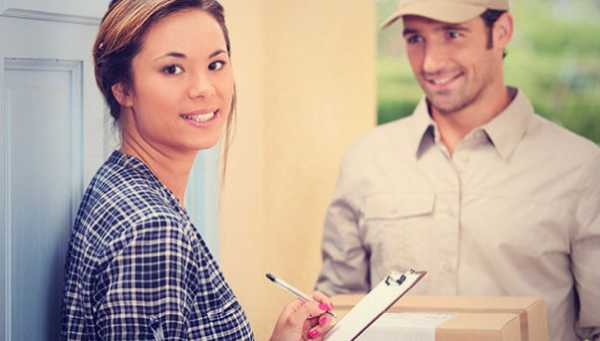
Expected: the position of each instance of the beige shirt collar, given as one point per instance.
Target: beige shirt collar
(505, 131)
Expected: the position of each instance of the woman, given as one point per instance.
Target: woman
(137, 269)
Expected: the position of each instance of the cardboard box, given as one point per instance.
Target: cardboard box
(459, 327)
(530, 310)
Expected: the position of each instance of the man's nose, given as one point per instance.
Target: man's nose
(435, 58)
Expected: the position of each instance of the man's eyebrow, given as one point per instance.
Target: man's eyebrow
(453, 27)
(408, 31)
(448, 27)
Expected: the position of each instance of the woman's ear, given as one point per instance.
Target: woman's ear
(122, 94)
(503, 30)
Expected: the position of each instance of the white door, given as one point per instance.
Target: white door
(52, 140)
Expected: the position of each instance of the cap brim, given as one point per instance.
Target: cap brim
(442, 11)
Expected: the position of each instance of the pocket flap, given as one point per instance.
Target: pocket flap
(389, 205)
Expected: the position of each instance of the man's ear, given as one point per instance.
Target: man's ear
(503, 30)
(122, 94)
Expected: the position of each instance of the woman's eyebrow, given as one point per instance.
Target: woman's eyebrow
(173, 55)
(216, 53)
(180, 55)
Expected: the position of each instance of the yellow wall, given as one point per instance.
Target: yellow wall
(305, 73)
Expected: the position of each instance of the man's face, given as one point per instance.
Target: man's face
(452, 62)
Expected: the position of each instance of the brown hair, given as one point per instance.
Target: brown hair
(490, 16)
(120, 39)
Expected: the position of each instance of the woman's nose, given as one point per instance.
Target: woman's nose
(201, 86)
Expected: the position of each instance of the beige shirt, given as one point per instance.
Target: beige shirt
(514, 211)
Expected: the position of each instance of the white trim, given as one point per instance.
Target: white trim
(42, 64)
(77, 139)
(6, 192)
(48, 16)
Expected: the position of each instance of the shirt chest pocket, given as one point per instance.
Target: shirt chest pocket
(390, 207)
(397, 229)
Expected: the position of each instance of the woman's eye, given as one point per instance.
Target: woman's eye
(172, 69)
(216, 65)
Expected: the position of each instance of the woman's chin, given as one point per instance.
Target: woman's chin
(205, 144)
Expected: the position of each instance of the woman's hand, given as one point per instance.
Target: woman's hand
(301, 320)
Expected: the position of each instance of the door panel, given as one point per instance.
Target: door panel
(45, 186)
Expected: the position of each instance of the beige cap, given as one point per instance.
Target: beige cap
(450, 11)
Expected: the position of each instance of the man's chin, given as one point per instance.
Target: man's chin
(444, 106)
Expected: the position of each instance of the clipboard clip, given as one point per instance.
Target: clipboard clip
(397, 278)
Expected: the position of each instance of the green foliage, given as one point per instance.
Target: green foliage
(397, 92)
(554, 58)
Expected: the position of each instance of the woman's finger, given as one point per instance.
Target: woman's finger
(324, 301)
(324, 323)
(312, 309)
(308, 318)
(298, 312)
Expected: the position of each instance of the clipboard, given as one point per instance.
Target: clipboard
(373, 305)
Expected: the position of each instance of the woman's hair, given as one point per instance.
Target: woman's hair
(120, 39)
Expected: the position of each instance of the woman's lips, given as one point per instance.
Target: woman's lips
(200, 119)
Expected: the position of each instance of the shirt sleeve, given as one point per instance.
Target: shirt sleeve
(585, 255)
(143, 292)
(345, 259)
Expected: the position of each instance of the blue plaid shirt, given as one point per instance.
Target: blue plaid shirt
(137, 269)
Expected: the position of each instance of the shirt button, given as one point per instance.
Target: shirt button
(480, 135)
(451, 210)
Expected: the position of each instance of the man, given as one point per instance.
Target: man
(488, 197)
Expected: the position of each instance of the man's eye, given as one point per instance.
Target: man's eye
(453, 34)
(172, 69)
(414, 39)
(216, 65)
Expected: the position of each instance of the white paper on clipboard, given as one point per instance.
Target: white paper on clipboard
(373, 305)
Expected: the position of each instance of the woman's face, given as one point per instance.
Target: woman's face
(182, 86)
